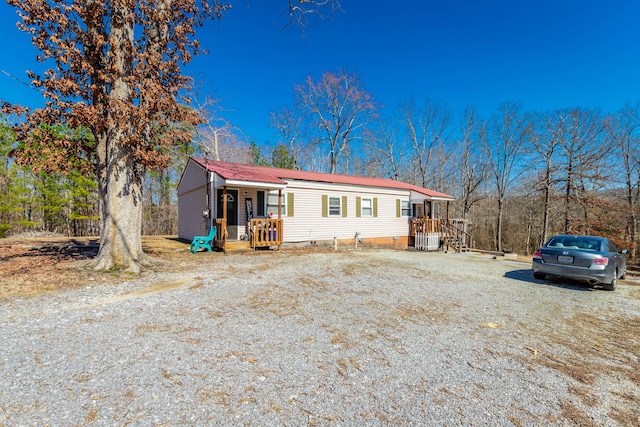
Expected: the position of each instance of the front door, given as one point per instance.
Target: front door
(232, 211)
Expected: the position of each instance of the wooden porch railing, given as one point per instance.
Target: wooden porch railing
(450, 232)
(266, 232)
(424, 225)
(221, 233)
(457, 237)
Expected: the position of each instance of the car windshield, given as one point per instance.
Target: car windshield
(581, 243)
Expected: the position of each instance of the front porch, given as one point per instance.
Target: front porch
(263, 233)
(432, 234)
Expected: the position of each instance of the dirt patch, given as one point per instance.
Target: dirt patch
(33, 266)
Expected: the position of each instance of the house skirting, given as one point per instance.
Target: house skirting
(400, 242)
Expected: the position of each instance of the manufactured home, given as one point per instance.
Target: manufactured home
(263, 206)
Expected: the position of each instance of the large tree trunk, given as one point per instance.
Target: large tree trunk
(120, 211)
(120, 176)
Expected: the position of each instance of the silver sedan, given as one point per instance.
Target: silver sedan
(592, 259)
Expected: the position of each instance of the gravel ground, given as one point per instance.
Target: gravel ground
(328, 338)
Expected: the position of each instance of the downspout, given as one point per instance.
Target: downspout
(207, 200)
(211, 199)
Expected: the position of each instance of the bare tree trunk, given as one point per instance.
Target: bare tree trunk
(499, 220)
(121, 212)
(120, 177)
(547, 206)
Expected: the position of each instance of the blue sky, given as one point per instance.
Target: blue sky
(544, 55)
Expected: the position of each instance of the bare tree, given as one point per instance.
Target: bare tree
(581, 145)
(214, 127)
(337, 107)
(504, 145)
(427, 131)
(546, 137)
(471, 170)
(288, 122)
(385, 148)
(622, 129)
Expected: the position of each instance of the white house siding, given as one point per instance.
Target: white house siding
(191, 202)
(190, 220)
(309, 224)
(193, 177)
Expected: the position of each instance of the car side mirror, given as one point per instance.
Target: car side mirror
(624, 251)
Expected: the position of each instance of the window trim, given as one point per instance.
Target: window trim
(405, 208)
(339, 212)
(275, 212)
(370, 207)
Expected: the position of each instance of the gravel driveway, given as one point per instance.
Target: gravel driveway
(339, 338)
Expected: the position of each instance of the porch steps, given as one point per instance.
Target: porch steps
(455, 244)
(238, 246)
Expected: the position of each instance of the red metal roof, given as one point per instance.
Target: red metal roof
(252, 173)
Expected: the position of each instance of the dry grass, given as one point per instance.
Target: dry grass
(33, 266)
(593, 347)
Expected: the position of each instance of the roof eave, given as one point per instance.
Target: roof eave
(255, 184)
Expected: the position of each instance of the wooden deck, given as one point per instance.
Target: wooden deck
(452, 236)
(263, 232)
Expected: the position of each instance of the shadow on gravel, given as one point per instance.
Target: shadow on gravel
(527, 276)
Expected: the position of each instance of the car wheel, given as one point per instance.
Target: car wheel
(539, 276)
(611, 286)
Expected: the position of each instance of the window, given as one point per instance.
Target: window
(335, 206)
(366, 207)
(272, 204)
(406, 208)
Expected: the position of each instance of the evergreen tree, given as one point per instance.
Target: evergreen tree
(281, 157)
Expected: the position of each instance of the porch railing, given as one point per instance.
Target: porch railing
(221, 233)
(451, 234)
(457, 237)
(424, 225)
(266, 232)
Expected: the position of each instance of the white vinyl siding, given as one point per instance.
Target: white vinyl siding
(192, 201)
(194, 176)
(312, 223)
(190, 220)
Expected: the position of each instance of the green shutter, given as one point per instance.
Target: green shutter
(260, 207)
(344, 206)
(375, 207)
(398, 208)
(358, 207)
(289, 204)
(325, 205)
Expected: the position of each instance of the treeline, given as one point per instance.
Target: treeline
(518, 177)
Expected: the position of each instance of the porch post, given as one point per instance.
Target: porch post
(279, 203)
(447, 212)
(224, 203)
